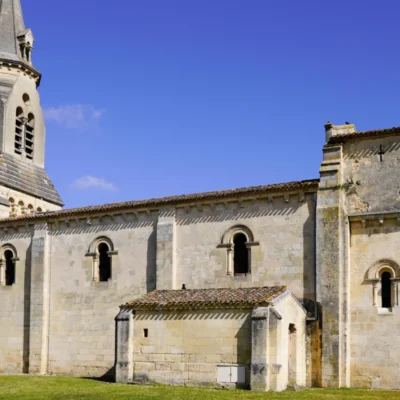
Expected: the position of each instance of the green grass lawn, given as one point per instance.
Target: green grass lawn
(40, 388)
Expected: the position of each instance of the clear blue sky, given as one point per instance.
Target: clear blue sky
(160, 97)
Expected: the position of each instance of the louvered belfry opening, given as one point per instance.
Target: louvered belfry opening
(19, 130)
(29, 135)
(24, 134)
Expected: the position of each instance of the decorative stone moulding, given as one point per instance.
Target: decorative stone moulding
(227, 242)
(374, 276)
(380, 218)
(22, 68)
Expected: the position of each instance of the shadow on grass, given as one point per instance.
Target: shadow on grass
(108, 377)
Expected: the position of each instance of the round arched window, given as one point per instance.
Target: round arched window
(241, 255)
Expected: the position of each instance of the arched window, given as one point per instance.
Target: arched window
(104, 263)
(24, 132)
(10, 268)
(384, 276)
(386, 288)
(29, 132)
(238, 242)
(13, 211)
(102, 252)
(19, 130)
(8, 258)
(241, 255)
(21, 207)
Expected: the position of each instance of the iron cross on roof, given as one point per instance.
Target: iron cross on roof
(381, 152)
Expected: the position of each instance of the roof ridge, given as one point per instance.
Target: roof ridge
(218, 288)
(342, 137)
(211, 298)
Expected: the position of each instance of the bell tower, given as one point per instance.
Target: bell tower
(25, 187)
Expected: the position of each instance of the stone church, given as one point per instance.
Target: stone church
(261, 287)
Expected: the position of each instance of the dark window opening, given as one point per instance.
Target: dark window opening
(19, 130)
(105, 263)
(146, 333)
(29, 132)
(386, 290)
(10, 268)
(241, 255)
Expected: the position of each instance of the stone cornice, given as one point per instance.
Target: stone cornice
(189, 203)
(22, 67)
(375, 216)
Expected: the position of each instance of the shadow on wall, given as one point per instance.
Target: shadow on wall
(270, 210)
(191, 315)
(309, 264)
(77, 228)
(13, 235)
(151, 273)
(372, 151)
(27, 310)
(243, 350)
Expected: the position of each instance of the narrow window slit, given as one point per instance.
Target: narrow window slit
(10, 268)
(241, 255)
(386, 290)
(105, 263)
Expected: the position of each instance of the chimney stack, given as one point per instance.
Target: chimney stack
(333, 130)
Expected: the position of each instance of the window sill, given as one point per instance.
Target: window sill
(386, 311)
(7, 287)
(102, 284)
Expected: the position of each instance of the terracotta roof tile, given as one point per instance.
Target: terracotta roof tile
(206, 298)
(27, 178)
(395, 131)
(172, 200)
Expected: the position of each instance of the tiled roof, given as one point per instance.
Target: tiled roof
(12, 24)
(308, 185)
(206, 298)
(341, 138)
(27, 178)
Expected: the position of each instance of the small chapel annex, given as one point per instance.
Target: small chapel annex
(266, 287)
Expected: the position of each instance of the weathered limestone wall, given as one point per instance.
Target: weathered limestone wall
(39, 299)
(264, 349)
(13, 87)
(82, 312)
(285, 230)
(379, 187)
(331, 269)
(21, 85)
(314, 354)
(357, 178)
(166, 250)
(375, 342)
(291, 313)
(28, 202)
(186, 347)
(72, 328)
(15, 309)
(372, 167)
